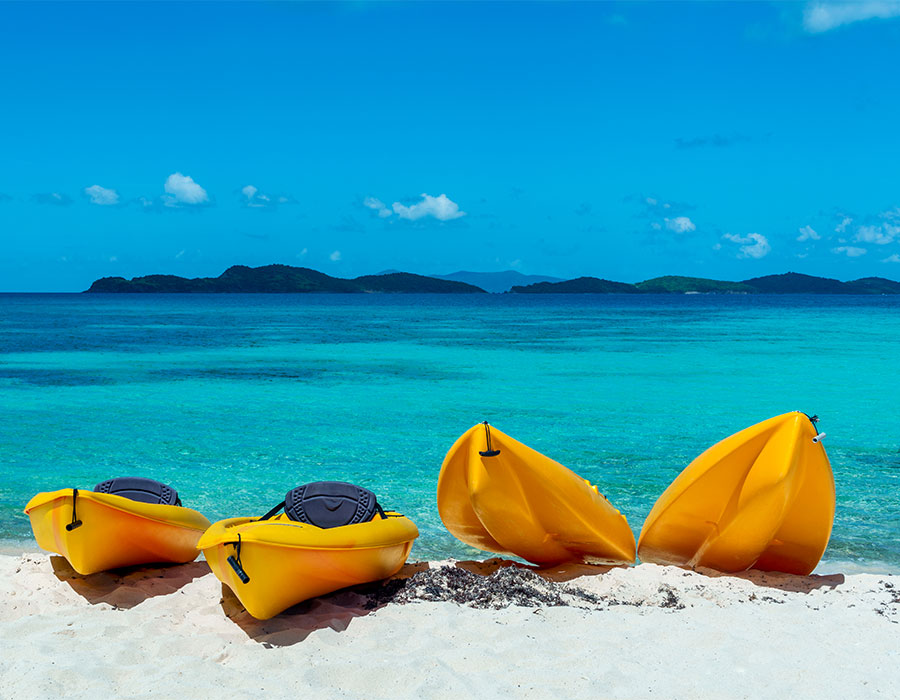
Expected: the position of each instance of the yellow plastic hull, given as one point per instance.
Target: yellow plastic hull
(762, 498)
(522, 503)
(115, 531)
(289, 562)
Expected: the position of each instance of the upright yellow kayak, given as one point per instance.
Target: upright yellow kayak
(124, 522)
(331, 535)
(762, 498)
(499, 495)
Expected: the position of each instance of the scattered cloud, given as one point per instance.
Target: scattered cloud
(441, 208)
(895, 258)
(664, 214)
(753, 245)
(101, 195)
(821, 17)
(181, 190)
(808, 233)
(179, 255)
(113, 258)
(252, 198)
(54, 198)
(714, 141)
(879, 234)
(334, 257)
(849, 250)
(886, 230)
(377, 206)
(845, 222)
(680, 224)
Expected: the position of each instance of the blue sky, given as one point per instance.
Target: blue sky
(621, 140)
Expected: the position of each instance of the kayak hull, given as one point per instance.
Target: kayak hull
(519, 502)
(762, 498)
(286, 562)
(114, 532)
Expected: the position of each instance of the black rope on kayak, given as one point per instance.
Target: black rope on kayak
(380, 510)
(235, 561)
(489, 452)
(273, 511)
(76, 523)
(819, 434)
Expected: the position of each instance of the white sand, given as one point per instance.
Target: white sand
(171, 633)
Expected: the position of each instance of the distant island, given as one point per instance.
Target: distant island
(788, 283)
(284, 279)
(281, 279)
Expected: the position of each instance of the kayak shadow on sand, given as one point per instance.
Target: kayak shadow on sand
(334, 611)
(128, 587)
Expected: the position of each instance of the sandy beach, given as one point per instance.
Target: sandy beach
(451, 631)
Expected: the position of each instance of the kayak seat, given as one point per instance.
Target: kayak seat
(329, 504)
(142, 490)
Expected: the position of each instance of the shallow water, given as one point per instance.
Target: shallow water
(234, 399)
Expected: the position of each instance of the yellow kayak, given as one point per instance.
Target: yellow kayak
(96, 531)
(274, 562)
(762, 498)
(499, 495)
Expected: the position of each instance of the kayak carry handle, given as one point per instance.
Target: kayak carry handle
(76, 523)
(235, 561)
(818, 438)
(489, 452)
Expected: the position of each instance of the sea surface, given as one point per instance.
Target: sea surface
(235, 399)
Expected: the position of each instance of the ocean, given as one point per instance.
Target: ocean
(235, 399)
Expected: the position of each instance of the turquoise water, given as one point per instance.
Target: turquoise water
(234, 399)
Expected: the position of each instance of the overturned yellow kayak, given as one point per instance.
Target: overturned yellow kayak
(96, 531)
(762, 498)
(499, 495)
(272, 564)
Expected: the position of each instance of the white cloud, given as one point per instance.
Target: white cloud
(254, 199)
(179, 255)
(441, 208)
(849, 250)
(821, 17)
(378, 206)
(879, 234)
(841, 227)
(680, 224)
(181, 190)
(335, 256)
(655, 225)
(753, 245)
(808, 233)
(101, 195)
(892, 258)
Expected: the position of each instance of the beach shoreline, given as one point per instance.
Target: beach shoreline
(641, 631)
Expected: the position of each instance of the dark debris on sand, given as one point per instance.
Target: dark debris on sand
(507, 586)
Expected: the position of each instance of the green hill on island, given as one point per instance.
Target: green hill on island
(582, 285)
(283, 279)
(672, 284)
